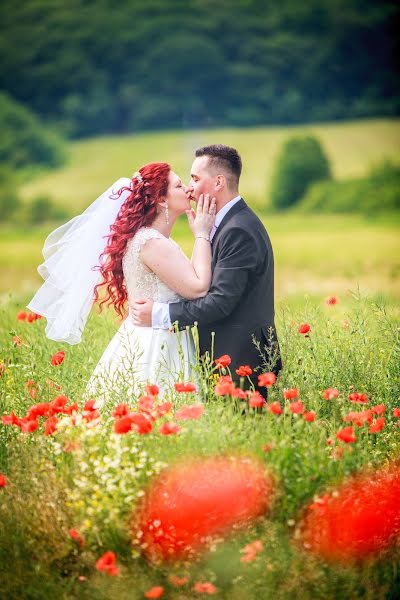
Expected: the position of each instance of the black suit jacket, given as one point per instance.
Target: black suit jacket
(240, 302)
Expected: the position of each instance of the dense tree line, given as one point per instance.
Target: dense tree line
(98, 66)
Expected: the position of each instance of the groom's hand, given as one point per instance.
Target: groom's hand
(142, 313)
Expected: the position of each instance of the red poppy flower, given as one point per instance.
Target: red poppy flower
(238, 393)
(244, 371)
(52, 384)
(309, 416)
(266, 379)
(152, 390)
(2, 368)
(29, 425)
(17, 340)
(205, 587)
(357, 397)
(358, 521)
(330, 393)
(275, 408)
(146, 403)
(90, 405)
(121, 410)
(396, 412)
(91, 415)
(378, 409)
(155, 592)
(378, 425)
(33, 392)
(291, 393)
(224, 386)
(57, 405)
(191, 502)
(3, 480)
(256, 400)
(21, 316)
(346, 435)
(296, 407)
(57, 358)
(178, 581)
(169, 428)
(267, 447)
(76, 536)
(50, 425)
(11, 419)
(122, 425)
(223, 361)
(332, 300)
(68, 410)
(250, 551)
(163, 409)
(141, 424)
(359, 418)
(107, 563)
(194, 411)
(185, 388)
(39, 410)
(304, 328)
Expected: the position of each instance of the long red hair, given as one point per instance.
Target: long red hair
(138, 210)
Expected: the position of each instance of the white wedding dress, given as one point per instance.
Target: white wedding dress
(137, 356)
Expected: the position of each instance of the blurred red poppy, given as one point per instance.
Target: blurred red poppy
(357, 521)
(192, 501)
(266, 379)
(107, 563)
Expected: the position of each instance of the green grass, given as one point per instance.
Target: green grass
(317, 255)
(91, 489)
(94, 164)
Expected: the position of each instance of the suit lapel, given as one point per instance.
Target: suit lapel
(240, 205)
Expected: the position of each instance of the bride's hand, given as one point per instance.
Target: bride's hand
(201, 221)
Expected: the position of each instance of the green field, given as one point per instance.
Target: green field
(94, 164)
(315, 255)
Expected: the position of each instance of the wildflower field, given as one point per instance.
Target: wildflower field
(205, 490)
(317, 465)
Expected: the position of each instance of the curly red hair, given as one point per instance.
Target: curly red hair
(138, 210)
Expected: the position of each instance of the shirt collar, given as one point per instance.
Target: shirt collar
(221, 213)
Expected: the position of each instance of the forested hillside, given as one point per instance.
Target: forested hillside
(96, 66)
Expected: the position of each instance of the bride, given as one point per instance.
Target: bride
(137, 260)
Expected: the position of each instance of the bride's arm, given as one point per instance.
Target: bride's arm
(190, 280)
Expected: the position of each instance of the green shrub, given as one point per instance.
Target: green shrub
(301, 162)
(379, 191)
(24, 140)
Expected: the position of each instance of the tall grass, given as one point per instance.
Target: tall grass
(82, 477)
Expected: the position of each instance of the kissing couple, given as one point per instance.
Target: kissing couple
(119, 252)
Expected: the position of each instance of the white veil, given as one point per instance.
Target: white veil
(70, 254)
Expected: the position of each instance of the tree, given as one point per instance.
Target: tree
(24, 141)
(301, 162)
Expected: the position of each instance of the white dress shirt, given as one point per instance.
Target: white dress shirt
(160, 313)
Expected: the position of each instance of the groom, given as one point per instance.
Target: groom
(239, 306)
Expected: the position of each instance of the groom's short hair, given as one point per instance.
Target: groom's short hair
(225, 159)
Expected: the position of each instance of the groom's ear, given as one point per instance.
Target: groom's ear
(220, 183)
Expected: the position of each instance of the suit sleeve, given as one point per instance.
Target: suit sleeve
(235, 263)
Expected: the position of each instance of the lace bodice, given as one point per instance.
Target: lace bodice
(140, 282)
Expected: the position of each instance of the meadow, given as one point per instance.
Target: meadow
(74, 485)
